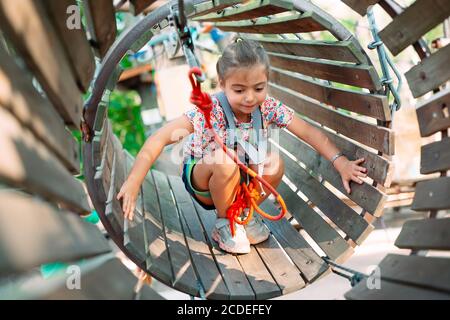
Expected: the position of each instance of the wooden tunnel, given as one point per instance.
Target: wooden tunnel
(332, 84)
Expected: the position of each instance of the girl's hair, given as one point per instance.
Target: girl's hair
(241, 53)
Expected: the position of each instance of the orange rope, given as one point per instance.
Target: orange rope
(246, 196)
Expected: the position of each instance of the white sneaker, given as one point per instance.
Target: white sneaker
(222, 235)
(256, 230)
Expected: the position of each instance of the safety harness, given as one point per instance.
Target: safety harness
(246, 195)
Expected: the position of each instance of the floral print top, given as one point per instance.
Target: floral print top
(201, 141)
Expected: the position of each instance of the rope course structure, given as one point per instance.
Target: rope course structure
(318, 68)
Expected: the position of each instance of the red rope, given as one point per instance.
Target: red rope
(246, 196)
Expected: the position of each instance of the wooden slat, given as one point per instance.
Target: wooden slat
(101, 23)
(100, 282)
(378, 168)
(393, 291)
(27, 27)
(435, 156)
(201, 255)
(356, 75)
(251, 10)
(326, 237)
(285, 273)
(158, 262)
(302, 255)
(138, 6)
(343, 216)
(376, 137)
(18, 95)
(360, 6)
(185, 278)
(230, 268)
(74, 41)
(329, 50)
(365, 195)
(295, 23)
(200, 247)
(430, 73)
(432, 194)
(412, 23)
(372, 105)
(26, 163)
(430, 113)
(426, 272)
(33, 232)
(113, 208)
(212, 6)
(426, 234)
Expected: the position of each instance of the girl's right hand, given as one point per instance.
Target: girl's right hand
(128, 192)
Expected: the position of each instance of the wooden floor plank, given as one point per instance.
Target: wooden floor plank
(232, 272)
(34, 232)
(185, 277)
(432, 194)
(325, 236)
(28, 164)
(425, 234)
(207, 270)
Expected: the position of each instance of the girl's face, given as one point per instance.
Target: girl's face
(246, 89)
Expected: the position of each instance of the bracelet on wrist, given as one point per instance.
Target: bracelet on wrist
(337, 155)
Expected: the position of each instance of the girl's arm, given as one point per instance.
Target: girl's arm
(349, 170)
(170, 133)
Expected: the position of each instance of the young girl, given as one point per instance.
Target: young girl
(210, 176)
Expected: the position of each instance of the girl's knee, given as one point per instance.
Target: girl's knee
(273, 165)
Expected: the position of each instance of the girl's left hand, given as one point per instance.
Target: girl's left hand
(350, 171)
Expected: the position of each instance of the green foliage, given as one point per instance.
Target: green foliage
(125, 114)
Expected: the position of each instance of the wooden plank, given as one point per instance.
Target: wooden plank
(435, 156)
(355, 75)
(379, 138)
(432, 194)
(426, 272)
(185, 277)
(360, 6)
(27, 27)
(158, 262)
(230, 268)
(343, 216)
(411, 24)
(101, 24)
(393, 291)
(33, 232)
(74, 41)
(250, 10)
(430, 73)
(294, 23)
(378, 168)
(285, 273)
(100, 283)
(431, 113)
(330, 50)
(260, 279)
(326, 237)
(113, 208)
(212, 6)
(302, 255)
(138, 6)
(426, 234)
(209, 274)
(28, 164)
(18, 95)
(365, 195)
(371, 105)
